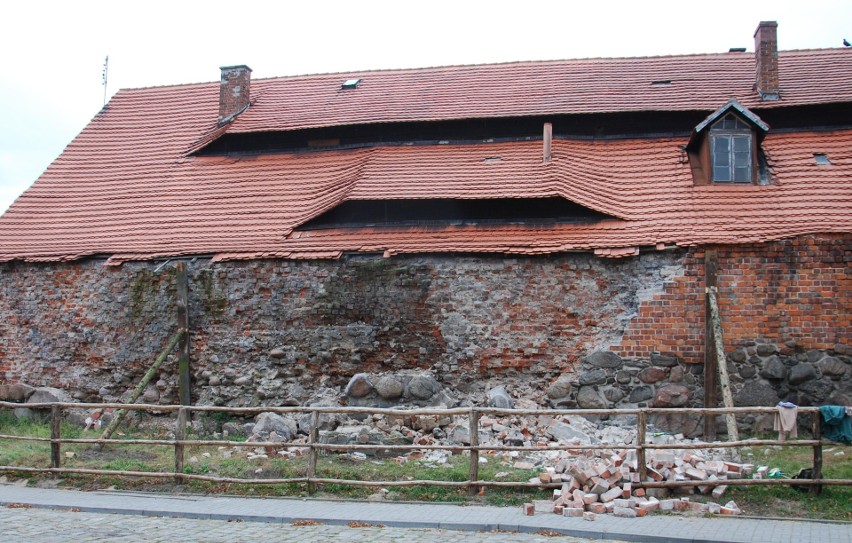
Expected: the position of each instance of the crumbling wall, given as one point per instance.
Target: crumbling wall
(797, 289)
(273, 332)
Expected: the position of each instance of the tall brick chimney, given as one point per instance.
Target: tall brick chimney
(233, 91)
(766, 61)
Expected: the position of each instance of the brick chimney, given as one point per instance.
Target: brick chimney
(233, 92)
(766, 61)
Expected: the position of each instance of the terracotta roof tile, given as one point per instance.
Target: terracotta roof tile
(698, 82)
(126, 187)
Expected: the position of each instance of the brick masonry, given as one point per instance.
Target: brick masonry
(93, 330)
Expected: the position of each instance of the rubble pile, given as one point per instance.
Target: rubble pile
(596, 484)
(591, 481)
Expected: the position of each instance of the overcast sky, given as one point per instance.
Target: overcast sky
(53, 52)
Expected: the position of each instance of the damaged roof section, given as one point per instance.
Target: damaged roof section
(130, 187)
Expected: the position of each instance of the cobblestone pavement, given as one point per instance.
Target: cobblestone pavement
(31, 525)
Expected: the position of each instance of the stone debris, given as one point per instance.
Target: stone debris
(584, 481)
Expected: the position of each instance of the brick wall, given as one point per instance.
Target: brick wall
(93, 329)
(792, 290)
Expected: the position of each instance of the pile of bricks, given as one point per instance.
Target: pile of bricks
(594, 485)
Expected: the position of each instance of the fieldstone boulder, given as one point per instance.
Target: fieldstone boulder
(773, 368)
(681, 423)
(499, 398)
(641, 394)
(565, 432)
(755, 394)
(613, 395)
(817, 392)
(269, 423)
(801, 373)
(766, 349)
(603, 359)
(236, 429)
(739, 356)
(747, 372)
(359, 386)
(151, 395)
(560, 388)
(49, 395)
(19, 392)
(459, 435)
(423, 387)
(389, 388)
(652, 375)
(589, 398)
(623, 377)
(672, 395)
(832, 367)
(663, 360)
(593, 377)
(277, 353)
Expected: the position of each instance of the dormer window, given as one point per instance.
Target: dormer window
(724, 148)
(731, 150)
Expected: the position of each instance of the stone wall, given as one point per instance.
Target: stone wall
(275, 332)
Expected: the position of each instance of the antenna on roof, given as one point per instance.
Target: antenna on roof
(104, 74)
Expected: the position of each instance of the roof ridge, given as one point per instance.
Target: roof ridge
(542, 62)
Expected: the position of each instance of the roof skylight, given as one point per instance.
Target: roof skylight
(822, 159)
(350, 83)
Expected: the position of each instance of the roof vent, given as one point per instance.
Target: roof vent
(547, 137)
(737, 50)
(350, 84)
(822, 159)
(661, 82)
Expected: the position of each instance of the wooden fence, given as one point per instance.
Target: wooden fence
(473, 414)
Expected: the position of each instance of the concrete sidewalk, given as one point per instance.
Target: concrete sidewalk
(655, 528)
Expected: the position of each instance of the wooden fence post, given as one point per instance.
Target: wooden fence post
(312, 458)
(722, 366)
(473, 474)
(55, 420)
(641, 423)
(183, 324)
(817, 471)
(710, 371)
(180, 435)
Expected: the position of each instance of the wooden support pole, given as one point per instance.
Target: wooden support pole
(183, 323)
(55, 420)
(473, 426)
(119, 415)
(180, 435)
(312, 458)
(817, 471)
(724, 382)
(710, 371)
(641, 462)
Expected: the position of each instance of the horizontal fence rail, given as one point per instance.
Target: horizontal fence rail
(473, 482)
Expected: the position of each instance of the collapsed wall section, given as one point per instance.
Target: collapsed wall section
(273, 332)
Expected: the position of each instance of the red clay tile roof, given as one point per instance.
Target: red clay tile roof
(698, 83)
(126, 188)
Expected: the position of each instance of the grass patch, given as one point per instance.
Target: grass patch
(834, 503)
